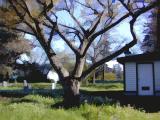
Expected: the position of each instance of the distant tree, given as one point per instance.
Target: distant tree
(158, 29)
(98, 50)
(12, 44)
(118, 71)
(35, 74)
(5, 72)
(99, 16)
(151, 42)
(67, 59)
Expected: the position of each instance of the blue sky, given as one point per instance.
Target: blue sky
(119, 33)
(122, 31)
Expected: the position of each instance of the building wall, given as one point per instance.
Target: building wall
(130, 76)
(157, 75)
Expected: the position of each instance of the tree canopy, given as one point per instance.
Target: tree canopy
(12, 44)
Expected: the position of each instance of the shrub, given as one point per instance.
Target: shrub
(110, 76)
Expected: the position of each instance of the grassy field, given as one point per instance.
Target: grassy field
(19, 86)
(35, 107)
(110, 85)
(106, 86)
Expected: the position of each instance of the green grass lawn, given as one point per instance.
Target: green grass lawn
(20, 86)
(110, 85)
(35, 107)
(103, 86)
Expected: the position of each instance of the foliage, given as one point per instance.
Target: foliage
(5, 72)
(110, 76)
(107, 76)
(35, 74)
(11, 43)
(9, 16)
(149, 43)
(11, 46)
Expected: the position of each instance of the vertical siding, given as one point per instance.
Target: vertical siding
(157, 75)
(130, 75)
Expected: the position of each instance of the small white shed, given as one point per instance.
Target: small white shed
(141, 74)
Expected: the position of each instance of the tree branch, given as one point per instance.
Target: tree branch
(127, 8)
(69, 43)
(92, 38)
(126, 47)
(108, 58)
(77, 22)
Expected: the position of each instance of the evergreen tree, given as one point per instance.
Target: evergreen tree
(151, 41)
(12, 44)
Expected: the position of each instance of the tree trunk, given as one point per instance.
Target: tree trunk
(94, 76)
(71, 93)
(103, 72)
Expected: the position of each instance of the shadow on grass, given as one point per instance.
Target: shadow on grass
(110, 86)
(58, 105)
(22, 93)
(147, 103)
(23, 101)
(109, 81)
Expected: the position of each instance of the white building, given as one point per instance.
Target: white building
(141, 74)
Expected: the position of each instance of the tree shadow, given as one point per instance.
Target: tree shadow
(58, 105)
(24, 101)
(22, 93)
(149, 104)
(12, 93)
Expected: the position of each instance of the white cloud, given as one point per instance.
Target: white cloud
(112, 63)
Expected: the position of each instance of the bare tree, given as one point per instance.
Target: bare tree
(103, 16)
(118, 71)
(98, 50)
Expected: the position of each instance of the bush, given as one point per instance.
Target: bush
(110, 76)
(5, 72)
(107, 76)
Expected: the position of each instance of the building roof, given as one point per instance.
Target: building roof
(147, 57)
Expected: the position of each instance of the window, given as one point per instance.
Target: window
(145, 88)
